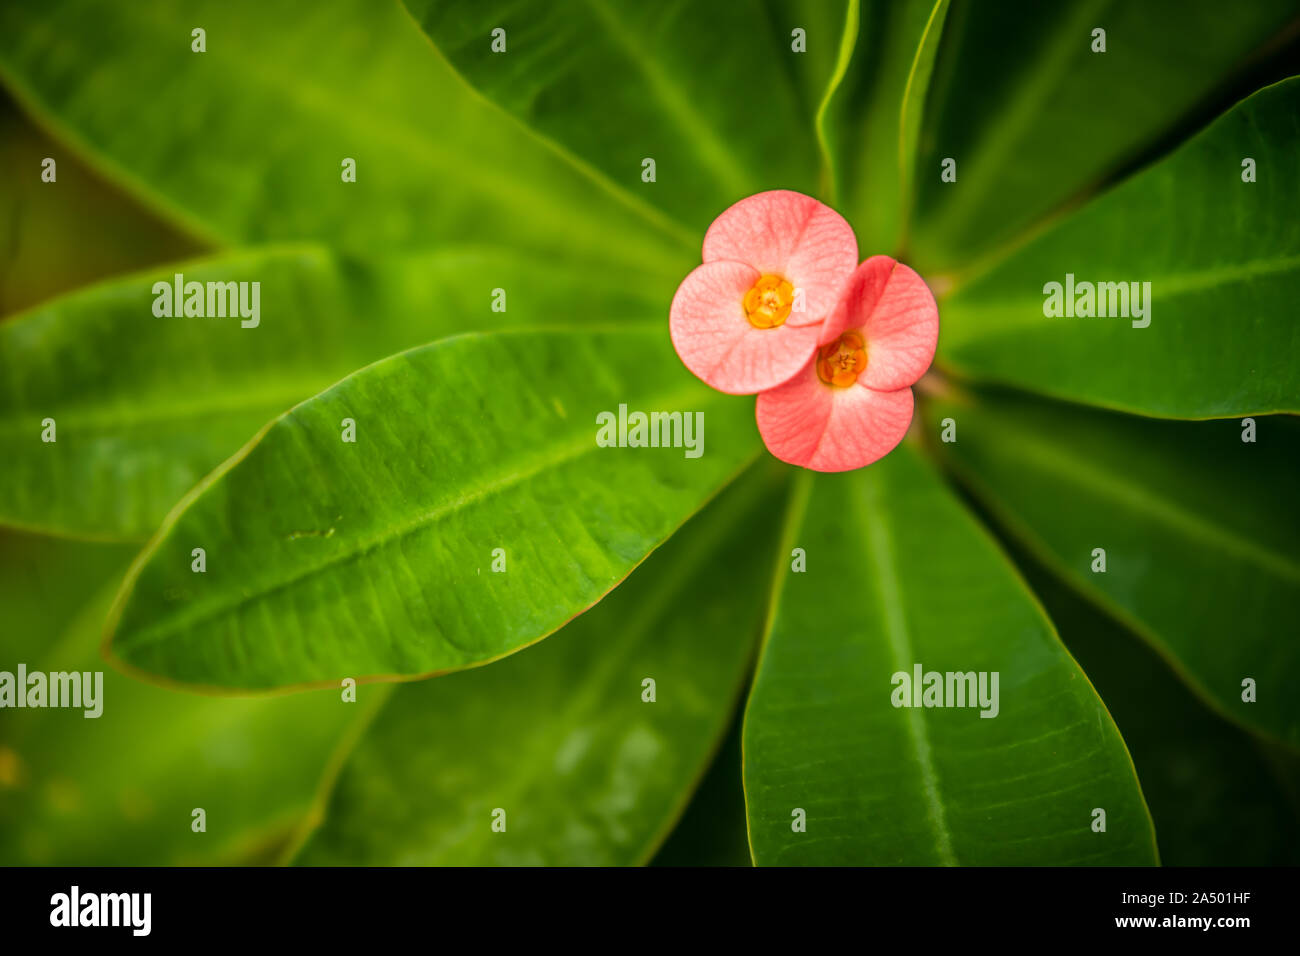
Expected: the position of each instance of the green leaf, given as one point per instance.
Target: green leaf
(899, 576)
(1052, 119)
(1214, 797)
(1198, 528)
(877, 116)
(709, 91)
(44, 222)
(146, 406)
(1224, 273)
(327, 559)
(121, 787)
(560, 736)
(245, 142)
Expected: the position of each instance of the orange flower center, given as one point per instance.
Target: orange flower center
(767, 304)
(843, 360)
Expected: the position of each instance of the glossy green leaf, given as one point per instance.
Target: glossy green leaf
(877, 113)
(122, 787)
(899, 576)
(1201, 532)
(146, 406)
(1214, 796)
(44, 222)
(709, 91)
(559, 741)
(245, 142)
(1224, 273)
(1036, 119)
(327, 559)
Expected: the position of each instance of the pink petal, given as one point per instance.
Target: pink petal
(807, 422)
(791, 235)
(716, 341)
(895, 310)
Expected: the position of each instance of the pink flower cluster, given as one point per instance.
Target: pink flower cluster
(781, 308)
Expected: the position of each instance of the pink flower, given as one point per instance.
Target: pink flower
(851, 403)
(774, 266)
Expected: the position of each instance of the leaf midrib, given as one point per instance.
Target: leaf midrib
(993, 144)
(396, 130)
(874, 521)
(581, 443)
(1172, 284)
(699, 133)
(142, 415)
(390, 128)
(126, 418)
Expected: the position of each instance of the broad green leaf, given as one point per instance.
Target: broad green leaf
(474, 514)
(69, 232)
(146, 406)
(709, 91)
(1222, 257)
(898, 576)
(877, 114)
(1035, 119)
(1201, 532)
(560, 738)
(121, 788)
(1214, 797)
(245, 143)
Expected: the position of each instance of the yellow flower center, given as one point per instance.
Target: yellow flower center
(767, 304)
(843, 360)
